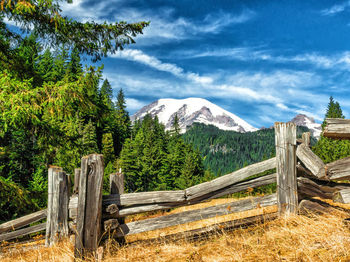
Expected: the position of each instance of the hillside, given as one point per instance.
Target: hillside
(226, 151)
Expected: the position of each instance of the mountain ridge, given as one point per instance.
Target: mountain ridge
(193, 110)
(198, 110)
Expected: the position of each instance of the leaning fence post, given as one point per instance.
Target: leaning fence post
(57, 208)
(306, 138)
(116, 183)
(287, 193)
(89, 216)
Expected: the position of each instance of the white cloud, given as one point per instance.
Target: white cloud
(151, 61)
(338, 61)
(282, 106)
(164, 27)
(134, 104)
(335, 9)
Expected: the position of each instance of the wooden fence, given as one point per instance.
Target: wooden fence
(300, 174)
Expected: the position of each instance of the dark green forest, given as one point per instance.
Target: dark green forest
(54, 110)
(226, 151)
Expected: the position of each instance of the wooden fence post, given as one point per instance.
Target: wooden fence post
(116, 186)
(306, 138)
(76, 180)
(287, 193)
(57, 209)
(116, 183)
(89, 217)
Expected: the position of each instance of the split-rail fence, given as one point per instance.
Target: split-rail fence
(300, 175)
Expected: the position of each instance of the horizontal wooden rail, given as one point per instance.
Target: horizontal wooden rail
(339, 170)
(215, 229)
(241, 186)
(229, 179)
(23, 232)
(23, 221)
(314, 188)
(137, 198)
(337, 128)
(113, 211)
(195, 215)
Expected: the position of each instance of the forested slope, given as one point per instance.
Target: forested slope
(226, 151)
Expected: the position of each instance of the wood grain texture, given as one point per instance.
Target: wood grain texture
(316, 188)
(116, 183)
(306, 138)
(57, 209)
(337, 128)
(195, 215)
(23, 232)
(76, 180)
(229, 179)
(339, 170)
(287, 192)
(144, 198)
(112, 209)
(23, 221)
(342, 196)
(311, 161)
(89, 217)
(252, 183)
(215, 229)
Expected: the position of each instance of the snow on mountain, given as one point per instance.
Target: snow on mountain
(309, 122)
(192, 110)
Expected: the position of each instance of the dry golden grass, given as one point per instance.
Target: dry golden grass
(297, 238)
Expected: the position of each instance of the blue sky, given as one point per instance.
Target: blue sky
(264, 61)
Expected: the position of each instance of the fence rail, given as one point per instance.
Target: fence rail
(92, 213)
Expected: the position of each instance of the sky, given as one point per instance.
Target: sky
(264, 61)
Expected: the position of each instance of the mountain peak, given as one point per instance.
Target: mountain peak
(191, 110)
(309, 122)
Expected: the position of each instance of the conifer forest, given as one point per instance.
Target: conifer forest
(55, 108)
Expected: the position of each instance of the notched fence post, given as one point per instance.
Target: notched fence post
(89, 217)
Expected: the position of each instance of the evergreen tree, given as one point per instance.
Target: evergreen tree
(122, 123)
(74, 67)
(156, 160)
(45, 66)
(329, 149)
(60, 66)
(50, 24)
(333, 111)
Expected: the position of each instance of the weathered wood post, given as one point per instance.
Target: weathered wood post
(287, 193)
(116, 183)
(57, 208)
(89, 217)
(306, 138)
(76, 180)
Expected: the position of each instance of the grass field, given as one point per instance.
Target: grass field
(296, 238)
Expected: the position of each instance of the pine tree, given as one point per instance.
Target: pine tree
(329, 149)
(333, 111)
(74, 67)
(122, 128)
(50, 24)
(45, 66)
(60, 64)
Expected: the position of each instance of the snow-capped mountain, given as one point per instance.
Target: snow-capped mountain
(192, 110)
(309, 122)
